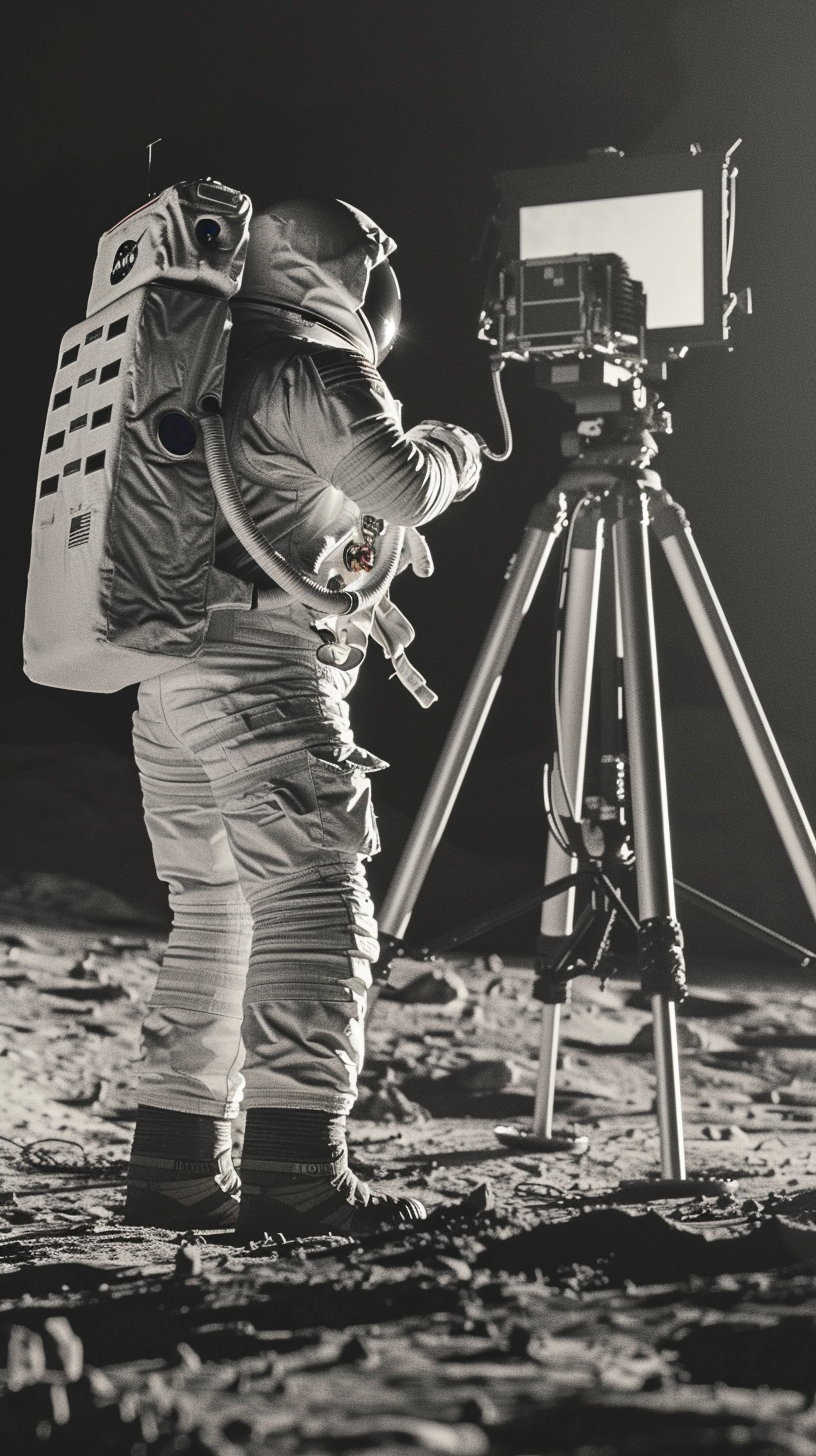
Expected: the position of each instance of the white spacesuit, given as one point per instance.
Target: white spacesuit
(257, 798)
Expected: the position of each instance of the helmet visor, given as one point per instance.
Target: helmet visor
(382, 307)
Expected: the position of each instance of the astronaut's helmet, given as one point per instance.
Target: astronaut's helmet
(321, 266)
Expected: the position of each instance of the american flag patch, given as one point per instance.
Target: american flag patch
(338, 369)
(79, 529)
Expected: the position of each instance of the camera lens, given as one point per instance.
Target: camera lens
(207, 230)
(177, 434)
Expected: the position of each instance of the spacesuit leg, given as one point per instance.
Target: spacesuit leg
(191, 1035)
(309, 975)
(268, 726)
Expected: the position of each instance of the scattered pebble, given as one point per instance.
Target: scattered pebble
(86, 1095)
(487, 1074)
(689, 1038)
(439, 987)
(355, 1352)
(187, 1261)
(387, 1103)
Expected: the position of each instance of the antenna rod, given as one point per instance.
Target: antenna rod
(150, 147)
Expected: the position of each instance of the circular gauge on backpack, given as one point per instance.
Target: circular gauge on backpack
(176, 434)
(207, 230)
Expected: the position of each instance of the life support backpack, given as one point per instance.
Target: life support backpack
(134, 465)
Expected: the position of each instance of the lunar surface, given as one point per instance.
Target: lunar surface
(544, 1307)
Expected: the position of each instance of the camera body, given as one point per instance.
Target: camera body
(556, 307)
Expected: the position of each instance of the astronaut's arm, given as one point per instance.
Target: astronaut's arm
(407, 477)
(351, 438)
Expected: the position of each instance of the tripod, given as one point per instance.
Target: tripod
(609, 493)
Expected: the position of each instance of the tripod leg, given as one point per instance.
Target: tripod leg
(660, 938)
(547, 1066)
(580, 609)
(707, 615)
(545, 525)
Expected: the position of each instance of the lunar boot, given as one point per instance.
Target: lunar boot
(297, 1181)
(180, 1174)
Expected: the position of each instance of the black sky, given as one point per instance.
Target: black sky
(407, 110)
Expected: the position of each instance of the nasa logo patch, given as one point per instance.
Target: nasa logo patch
(126, 255)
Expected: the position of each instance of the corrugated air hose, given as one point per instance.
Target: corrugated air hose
(291, 581)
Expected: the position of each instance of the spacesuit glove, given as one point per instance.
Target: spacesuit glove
(465, 448)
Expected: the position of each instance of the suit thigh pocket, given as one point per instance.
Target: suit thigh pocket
(343, 794)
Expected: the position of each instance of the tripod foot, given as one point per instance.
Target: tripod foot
(525, 1141)
(653, 1189)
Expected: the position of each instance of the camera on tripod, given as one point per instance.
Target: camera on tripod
(580, 235)
(603, 273)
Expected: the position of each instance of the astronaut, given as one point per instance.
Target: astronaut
(257, 798)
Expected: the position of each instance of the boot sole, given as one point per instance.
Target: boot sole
(276, 1218)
